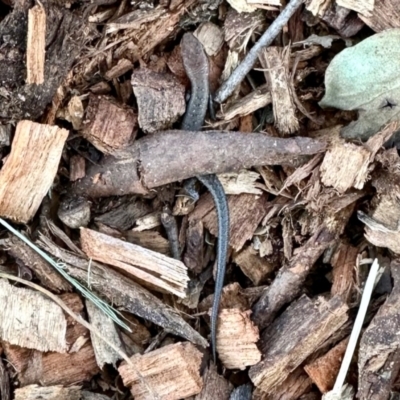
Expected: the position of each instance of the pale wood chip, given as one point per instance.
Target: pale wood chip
(160, 271)
(172, 372)
(30, 320)
(29, 171)
(237, 336)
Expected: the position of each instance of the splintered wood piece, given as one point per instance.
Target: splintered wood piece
(158, 270)
(295, 335)
(172, 372)
(255, 100)
(35, 51)
(35, 392)
(288, 283)
(324, 370)
(104, 354)
(243, 181)
(76, 168)
(123, 292)
(25, 311)
(344, 262)
(29, 171)
(253, 266)
(379, 354)
(231, 297)
(245, 213)
(236, 339)
(215, 386)
(346, 165)
(46, 274)
(382, 229)
(275, 60)
(51, 368)
(109, 126)
(160, 98)
(152, 162)
(385, 15)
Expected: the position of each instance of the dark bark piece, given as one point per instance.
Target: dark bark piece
(288, 283)
(379, 354)
(292, 388)
(242, 392)
(124, 215)
(76, 168)
(343, 263)
(215, 386)
(194, 254)
(123, 292)
(108, 125)
(152, 161)
(46, 274)
(65, 36)
(52, 368)
(245, 213)
(296, 334)
(160, 98)
(5, 387)
(75, 212)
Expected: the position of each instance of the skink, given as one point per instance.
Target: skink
(196, 66)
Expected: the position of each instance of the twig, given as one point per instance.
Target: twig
(79, 319)
(355, 333)
(266, 39)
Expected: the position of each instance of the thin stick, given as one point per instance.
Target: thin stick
(355, 333)
(265, 40)
(79, 319)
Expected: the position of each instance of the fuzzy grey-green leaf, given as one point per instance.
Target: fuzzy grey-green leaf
(366, 78)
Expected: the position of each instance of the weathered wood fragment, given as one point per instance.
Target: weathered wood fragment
(275, 61)
(236, 339)
(35, 50)
(25, 311)
(295, 335)
(172, 372)
(29, 171)
(123, 292)
(51, 368)
(156, 269)
(160, 98)
(108, 125)
(215, 386)
(379, 354)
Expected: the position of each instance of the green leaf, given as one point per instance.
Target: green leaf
(366, 78)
